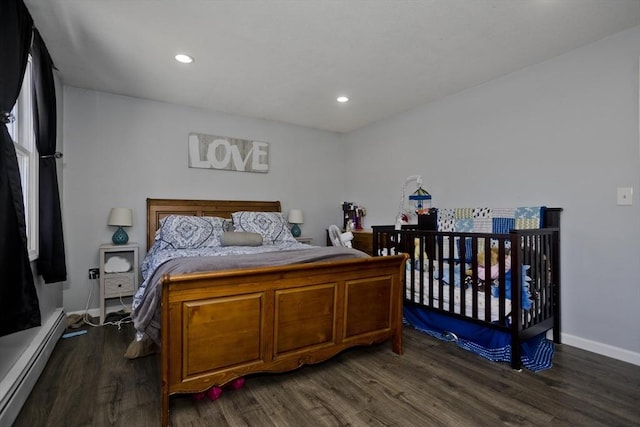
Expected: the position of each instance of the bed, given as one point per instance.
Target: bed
(218, 325)
(487, 279)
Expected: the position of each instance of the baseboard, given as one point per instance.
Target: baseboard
(602, 349)
(16, 386)
(584, 344)
(93, 312)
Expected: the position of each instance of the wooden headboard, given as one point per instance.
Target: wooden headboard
(159, 208)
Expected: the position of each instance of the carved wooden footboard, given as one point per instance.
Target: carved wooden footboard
(222, 325)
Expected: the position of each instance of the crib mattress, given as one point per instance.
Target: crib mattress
(457, 291)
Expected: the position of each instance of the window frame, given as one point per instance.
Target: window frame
(22, 133)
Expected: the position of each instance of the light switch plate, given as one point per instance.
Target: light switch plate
(625, 196)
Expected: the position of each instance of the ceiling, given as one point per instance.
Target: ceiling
(288, 60)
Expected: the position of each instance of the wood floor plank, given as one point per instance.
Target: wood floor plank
(87, 382)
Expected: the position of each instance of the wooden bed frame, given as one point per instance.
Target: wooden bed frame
(218, 326)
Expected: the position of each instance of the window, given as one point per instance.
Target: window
(22, 133)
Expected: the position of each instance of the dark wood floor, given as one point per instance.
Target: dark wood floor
(87, 382)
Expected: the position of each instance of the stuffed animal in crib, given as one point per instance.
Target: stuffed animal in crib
(495, 265)
(416, 254)
(416, 250)
(493, 254)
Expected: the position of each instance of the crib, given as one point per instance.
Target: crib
(484, 279)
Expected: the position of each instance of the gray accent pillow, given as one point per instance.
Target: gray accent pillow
(233, 238)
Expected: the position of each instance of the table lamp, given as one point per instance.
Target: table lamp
(120, 217)
(295, 218)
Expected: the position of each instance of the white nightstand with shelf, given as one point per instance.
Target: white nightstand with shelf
(305, 240)
(120, 278)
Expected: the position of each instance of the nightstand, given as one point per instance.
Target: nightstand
(118, 273)
(305, 240)
(363, 240)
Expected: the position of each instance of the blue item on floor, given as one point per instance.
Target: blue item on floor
(492, 344)
(74, 334)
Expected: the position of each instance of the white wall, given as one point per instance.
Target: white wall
(563, 133)
(121, 150)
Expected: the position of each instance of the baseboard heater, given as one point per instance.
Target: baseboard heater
(21, 378)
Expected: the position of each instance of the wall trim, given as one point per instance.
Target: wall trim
(567, 339)
(95, 312)
(602, 349)
(16, 386)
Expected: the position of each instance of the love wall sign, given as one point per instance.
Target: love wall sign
(233, 154)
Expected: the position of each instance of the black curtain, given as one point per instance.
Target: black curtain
(19, 307)
(51, 259)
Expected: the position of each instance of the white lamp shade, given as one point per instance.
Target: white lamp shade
(121, 217)
(295, 216)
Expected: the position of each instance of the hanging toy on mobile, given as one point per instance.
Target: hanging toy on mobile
(421, 198)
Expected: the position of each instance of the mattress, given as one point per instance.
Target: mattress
(447, 302)
(146, 302)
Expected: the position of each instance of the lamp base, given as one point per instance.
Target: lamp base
(295, 230)
(120, 237)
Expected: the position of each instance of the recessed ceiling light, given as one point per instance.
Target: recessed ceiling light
(185, 59)
(342, 99)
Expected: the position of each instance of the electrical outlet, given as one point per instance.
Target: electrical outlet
(94, 273)
(625, 196)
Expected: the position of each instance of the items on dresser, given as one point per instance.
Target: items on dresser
(353, 216)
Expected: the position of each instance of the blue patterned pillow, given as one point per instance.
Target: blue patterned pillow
(271, 225)
(189, 232)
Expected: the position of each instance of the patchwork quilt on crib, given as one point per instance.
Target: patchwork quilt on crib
(489, 220)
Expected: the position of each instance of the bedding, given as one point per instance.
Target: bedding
(272, 226)
(160, 261)
(462, 283)
(489, 220)
(188, 243)
(189, 232)
(456, 303)
(494, 345)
